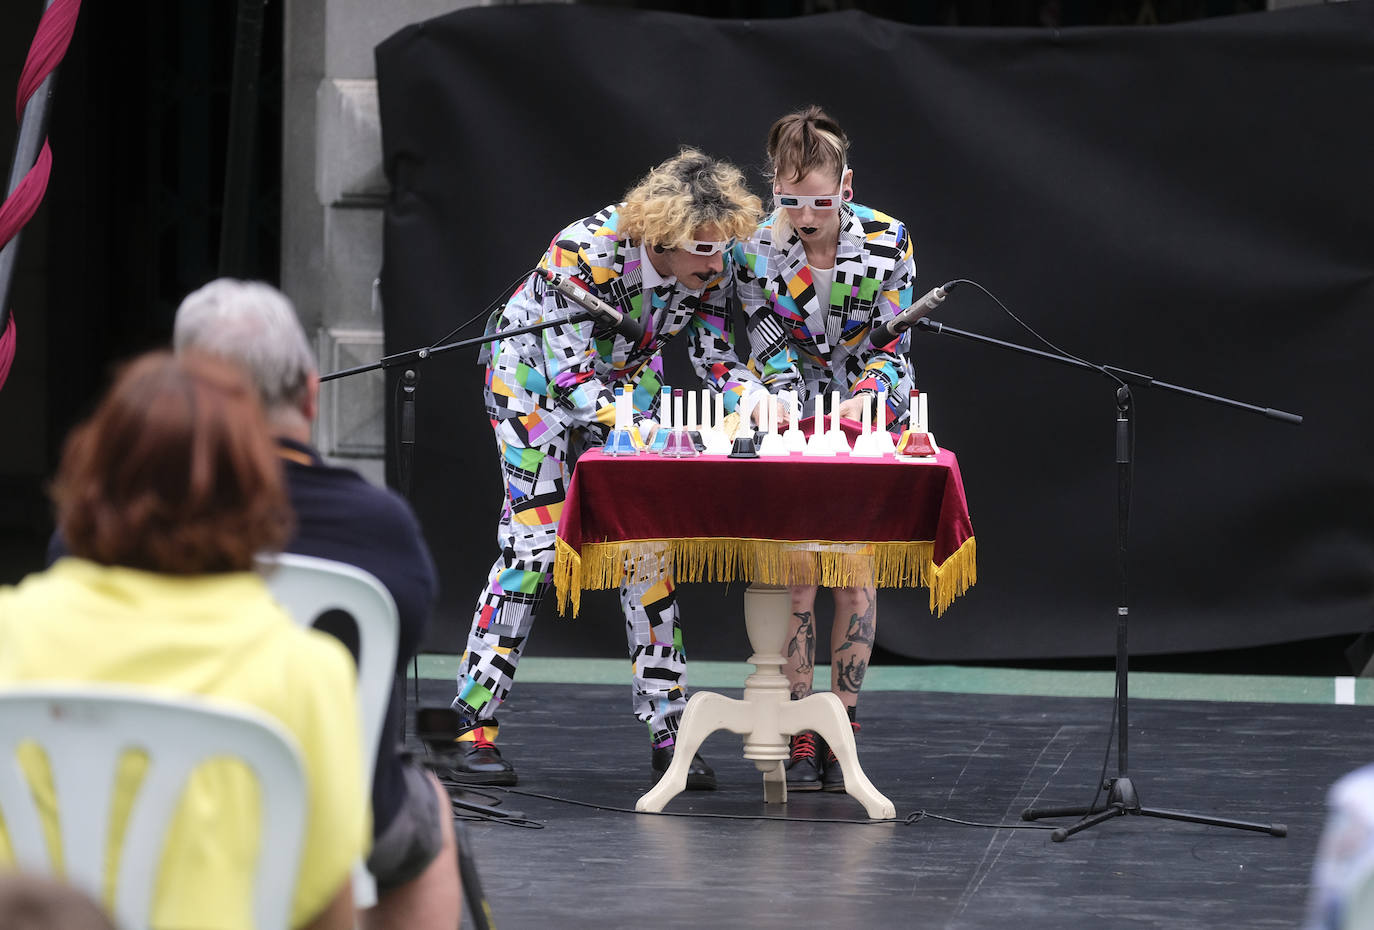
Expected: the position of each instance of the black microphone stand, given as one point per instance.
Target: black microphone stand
(410, 380)
(1122, 798)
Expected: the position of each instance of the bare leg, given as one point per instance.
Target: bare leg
(800, 651)
(851, 641)
(434, 898)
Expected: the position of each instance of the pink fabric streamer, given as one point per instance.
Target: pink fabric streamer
(49, 45)
(7, 344)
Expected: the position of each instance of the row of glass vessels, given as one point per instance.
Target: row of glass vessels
(688, 428)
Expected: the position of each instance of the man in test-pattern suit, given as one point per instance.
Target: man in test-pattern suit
(662, 258)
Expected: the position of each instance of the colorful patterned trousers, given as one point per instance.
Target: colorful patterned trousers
(535, 468)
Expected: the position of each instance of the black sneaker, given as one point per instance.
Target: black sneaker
(833, 777)
(804, 766)
(700, 776)
(475, 760)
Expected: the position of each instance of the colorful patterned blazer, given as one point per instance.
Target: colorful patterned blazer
(573, 369)
(810, 343)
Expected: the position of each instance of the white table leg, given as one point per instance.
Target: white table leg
(706, 713)
(767, 717)
(824, 713)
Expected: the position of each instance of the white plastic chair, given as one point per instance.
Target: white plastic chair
(85, 729)
(308, 587)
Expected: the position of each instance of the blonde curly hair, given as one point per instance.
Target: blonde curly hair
(689, 191)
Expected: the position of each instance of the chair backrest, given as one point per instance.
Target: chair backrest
(309, 587)
(85, 729)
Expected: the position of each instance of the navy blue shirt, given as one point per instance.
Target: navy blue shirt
(341, 516)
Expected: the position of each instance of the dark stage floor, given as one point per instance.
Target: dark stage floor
(968, 757)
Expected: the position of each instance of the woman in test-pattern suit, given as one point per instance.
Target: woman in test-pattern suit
(815, 280)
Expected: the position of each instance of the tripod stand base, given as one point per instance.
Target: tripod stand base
(469, 880)
(1122, 800)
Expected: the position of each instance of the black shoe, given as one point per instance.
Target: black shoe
(700, 777)
(833, 779)
(804, 766)
(478, 762)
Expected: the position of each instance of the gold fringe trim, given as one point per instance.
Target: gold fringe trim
(567, 576)
(957, 575)
(601, 566)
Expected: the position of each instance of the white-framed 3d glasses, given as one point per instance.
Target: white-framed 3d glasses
(814, 201)
(798, 201)
(705, 246)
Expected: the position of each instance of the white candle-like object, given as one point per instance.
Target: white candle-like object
(925, 412)
(865, 419)
(665, 408)
(678, 418)
(880, 426)
(819, 416)
(835, 412)
(720, 410)
(692, 422)
(796, 408)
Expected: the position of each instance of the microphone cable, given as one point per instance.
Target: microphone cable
(1030, 329)
(908, 820)
(507, 293)
(400, 386)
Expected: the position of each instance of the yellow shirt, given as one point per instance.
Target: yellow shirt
(219, 636)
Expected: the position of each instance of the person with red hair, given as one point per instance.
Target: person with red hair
(164, 499)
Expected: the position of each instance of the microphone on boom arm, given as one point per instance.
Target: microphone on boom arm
(596, 308)
(883, 336)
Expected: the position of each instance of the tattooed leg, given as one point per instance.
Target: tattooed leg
(851, 641)
(800, 652)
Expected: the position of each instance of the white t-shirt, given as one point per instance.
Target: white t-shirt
(821, 280)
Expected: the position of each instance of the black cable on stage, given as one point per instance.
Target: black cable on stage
(906, 821)
(922, 815)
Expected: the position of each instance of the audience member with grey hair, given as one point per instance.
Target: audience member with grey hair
(255, 325)
(340, 516)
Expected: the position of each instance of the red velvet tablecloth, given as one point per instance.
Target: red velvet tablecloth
(831, 521)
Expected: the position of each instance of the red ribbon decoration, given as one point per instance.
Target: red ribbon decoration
(49, 46)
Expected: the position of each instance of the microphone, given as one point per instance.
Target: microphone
(597, 308)
(882, 336)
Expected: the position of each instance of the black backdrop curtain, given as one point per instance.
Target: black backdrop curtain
(1189, 201)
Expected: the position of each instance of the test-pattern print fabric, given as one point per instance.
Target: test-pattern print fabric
(542, 390)
(810, 343)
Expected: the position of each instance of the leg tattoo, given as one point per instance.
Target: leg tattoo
(850, 675)
(801, 653)
(863, 628)
(803, 644)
